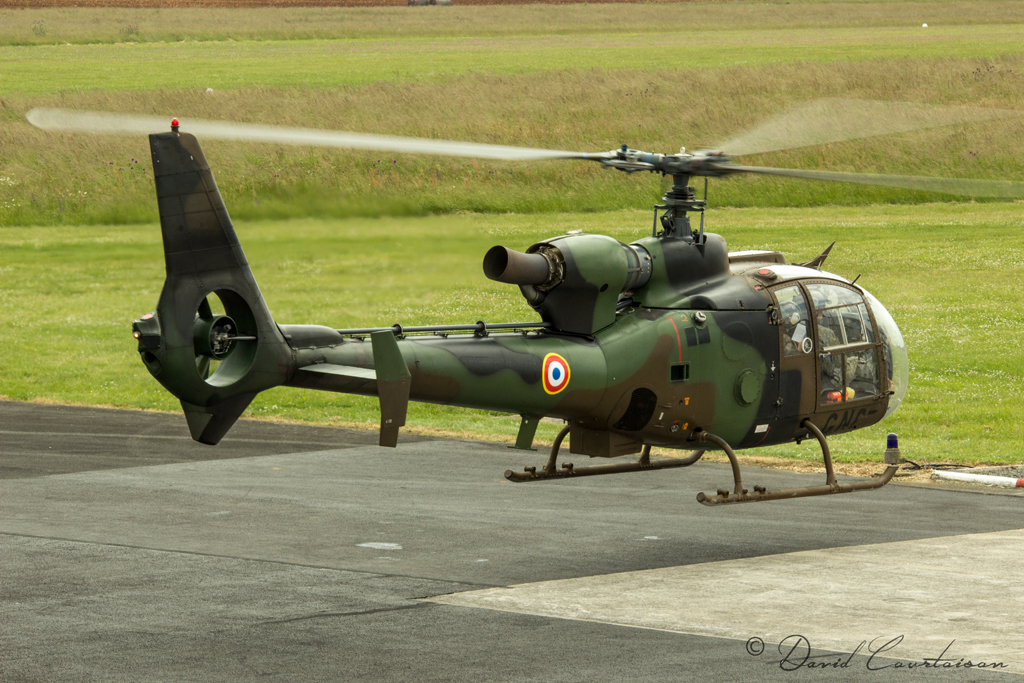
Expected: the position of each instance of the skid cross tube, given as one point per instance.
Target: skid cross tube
(551, 471)
(831, 486)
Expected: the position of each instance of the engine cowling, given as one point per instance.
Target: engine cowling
(573, 281)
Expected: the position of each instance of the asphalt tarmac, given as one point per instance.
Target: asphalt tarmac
(130, 553)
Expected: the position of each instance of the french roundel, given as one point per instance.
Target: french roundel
(556, 373)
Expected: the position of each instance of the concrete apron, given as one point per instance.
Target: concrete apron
(941, 601)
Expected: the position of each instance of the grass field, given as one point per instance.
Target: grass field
(400, 238)
(942, 270)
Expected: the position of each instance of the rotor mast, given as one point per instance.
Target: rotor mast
(677, 203)
(680, 199)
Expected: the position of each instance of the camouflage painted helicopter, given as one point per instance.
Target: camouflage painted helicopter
(670, 341)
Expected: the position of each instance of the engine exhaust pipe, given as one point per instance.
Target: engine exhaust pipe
(516, 268)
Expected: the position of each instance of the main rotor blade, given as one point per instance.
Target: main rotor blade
(971, 188)
(838, 120)
(104, 122)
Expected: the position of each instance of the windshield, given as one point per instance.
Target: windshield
(895, 350)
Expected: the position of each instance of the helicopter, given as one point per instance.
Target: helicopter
(671, 341)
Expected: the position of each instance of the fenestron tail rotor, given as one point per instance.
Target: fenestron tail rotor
(203, 313)
(214, 337)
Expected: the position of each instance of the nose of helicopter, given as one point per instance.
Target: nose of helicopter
(895, 350)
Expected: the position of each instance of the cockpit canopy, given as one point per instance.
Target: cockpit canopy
(860, 351)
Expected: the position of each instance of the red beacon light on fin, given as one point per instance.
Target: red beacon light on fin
(174, 125)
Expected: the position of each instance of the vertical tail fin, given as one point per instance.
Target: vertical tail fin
(179, 342)
(393, 384)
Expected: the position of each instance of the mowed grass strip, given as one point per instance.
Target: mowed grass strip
(346, 62)
(56, 178)
(40, 25)
(949, 273)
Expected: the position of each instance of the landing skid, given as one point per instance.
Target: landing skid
(723, 497)
(831, 486)
(568, 471)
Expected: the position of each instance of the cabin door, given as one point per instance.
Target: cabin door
(797, 371)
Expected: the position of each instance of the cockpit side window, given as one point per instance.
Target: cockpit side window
(796, 331)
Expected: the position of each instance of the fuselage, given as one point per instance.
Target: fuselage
(747, 354)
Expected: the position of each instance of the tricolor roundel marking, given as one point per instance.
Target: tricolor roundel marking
(556, 373)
